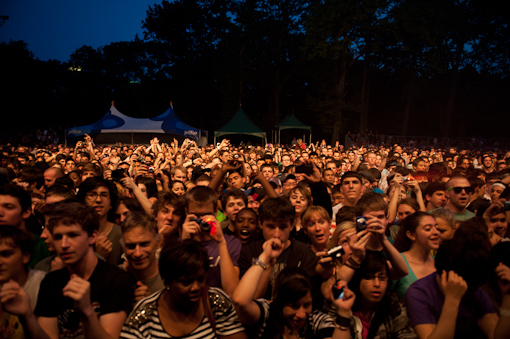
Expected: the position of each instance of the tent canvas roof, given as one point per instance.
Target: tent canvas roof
(292, 122)
(116, 122)
(240, 124)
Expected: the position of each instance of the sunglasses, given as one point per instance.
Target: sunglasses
(458, 190)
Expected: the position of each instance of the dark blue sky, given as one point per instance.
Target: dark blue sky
(53, 29)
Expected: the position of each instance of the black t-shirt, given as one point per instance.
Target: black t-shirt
(111, 290)
(297, 254)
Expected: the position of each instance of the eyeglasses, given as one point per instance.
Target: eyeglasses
(371, 277)
(93, 195)
(458, 190)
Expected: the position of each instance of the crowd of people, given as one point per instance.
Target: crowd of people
(277, 241)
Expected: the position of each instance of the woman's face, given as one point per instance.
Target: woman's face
(446, 231)
(299, 201)
(296, 314)
(188, 290)
(247, 169)
(343, 241)
(143, 189)
(373, 287)
(403, 211)
(178, 188)
(426, 234)
(318, 230)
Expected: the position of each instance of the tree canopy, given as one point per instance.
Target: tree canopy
(421, 67)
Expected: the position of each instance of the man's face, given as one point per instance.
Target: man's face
(421, 166)
(351, 188)
(351, 156)
(465, 163)
(371, 159)
(499, 224)
(487, 162)
(87, 174)
(337, 156)
(235, 180)
(272, 229)
(179, 175)
(140, 247)
(233, 206)
(70, 165)
(379, 215)
(344, 167)
(329, 176)
(225, 157)
(12, 261)
(100, 200)
(437, 199)
(459, 200)
(332, 166)
(49, 178)
(267, 172)
(496, 192)
(288, 185)
(245, 225)
(71, 242)
(11, 212)
(337, 198)
(167, 219)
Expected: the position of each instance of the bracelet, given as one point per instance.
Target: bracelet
(351, 263)
(258, 262)
(343, 322)
(504, 312)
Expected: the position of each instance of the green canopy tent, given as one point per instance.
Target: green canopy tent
(290, 122)
(240, 124)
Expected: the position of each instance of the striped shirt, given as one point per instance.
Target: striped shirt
(144, 322)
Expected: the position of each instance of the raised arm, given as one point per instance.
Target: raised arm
(244, 294)
(453, 288)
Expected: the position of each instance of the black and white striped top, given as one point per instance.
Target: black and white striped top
(144, 322)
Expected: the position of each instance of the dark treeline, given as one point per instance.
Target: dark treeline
(420, 67)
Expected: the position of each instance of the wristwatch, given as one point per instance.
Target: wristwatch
(258, 262)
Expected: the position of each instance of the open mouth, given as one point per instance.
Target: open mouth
(245, 233)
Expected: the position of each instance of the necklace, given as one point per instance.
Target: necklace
(291, 333)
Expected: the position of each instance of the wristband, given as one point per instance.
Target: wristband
(504, 313)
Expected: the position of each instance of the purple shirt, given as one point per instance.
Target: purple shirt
(424, 301)
(234, 249)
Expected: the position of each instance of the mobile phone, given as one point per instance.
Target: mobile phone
(338, 292)
(306, 169)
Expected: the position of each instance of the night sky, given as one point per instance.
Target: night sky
(53, 29)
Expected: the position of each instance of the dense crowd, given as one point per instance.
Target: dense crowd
(370, 240)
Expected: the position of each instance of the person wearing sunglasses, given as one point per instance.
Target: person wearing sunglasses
(458, 193)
